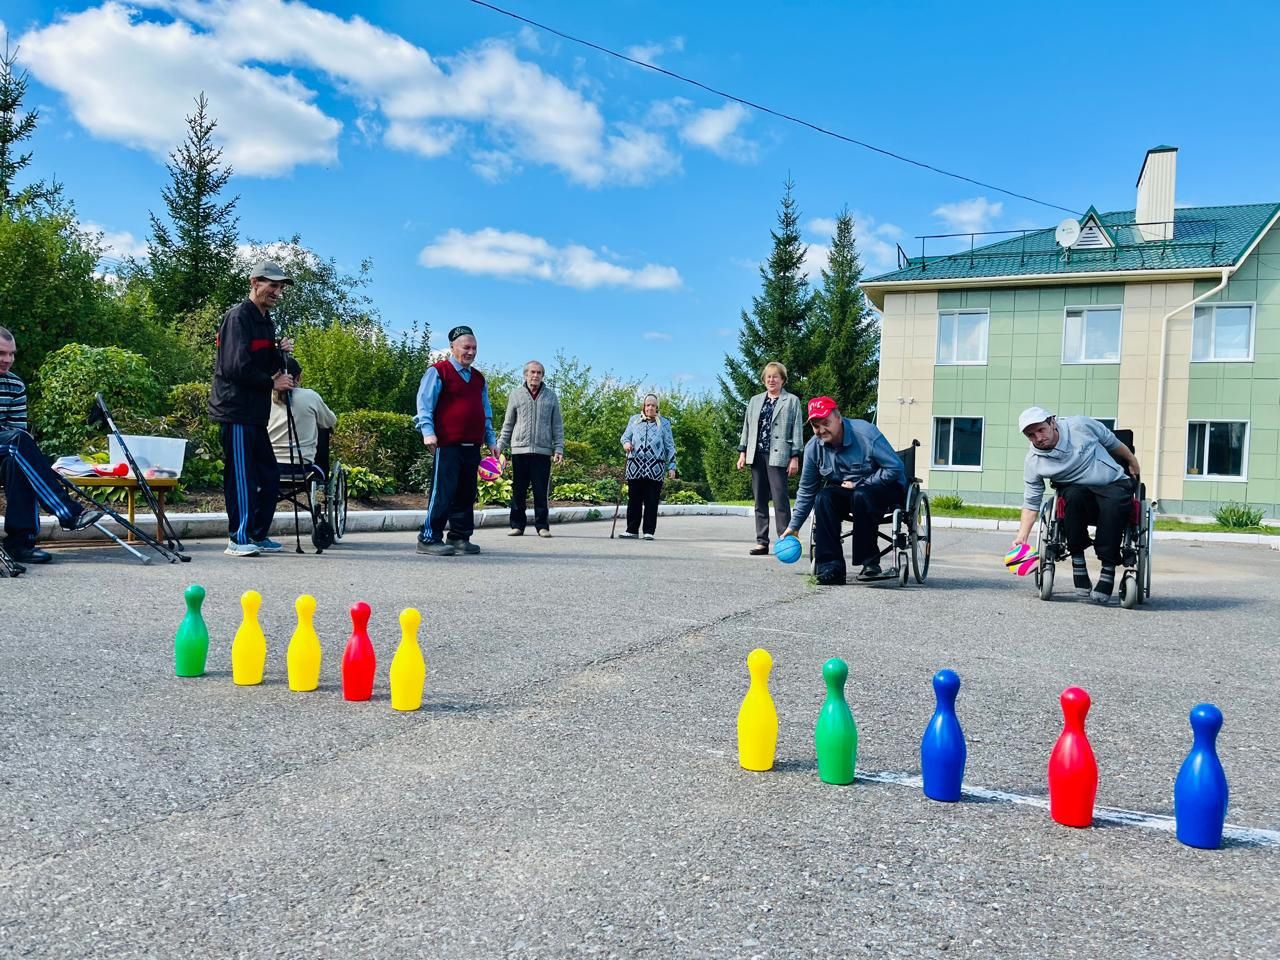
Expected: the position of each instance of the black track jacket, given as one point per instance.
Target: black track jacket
(245, 369)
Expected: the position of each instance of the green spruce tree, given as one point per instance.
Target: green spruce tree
(775, 329)
(192, 260)
(15, 128)
(844, 335)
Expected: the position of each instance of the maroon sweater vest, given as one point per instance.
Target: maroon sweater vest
(459, 416)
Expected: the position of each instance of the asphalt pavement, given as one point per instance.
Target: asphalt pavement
(571, 788)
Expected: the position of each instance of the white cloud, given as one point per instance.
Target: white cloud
(875, 242)
(822, 226)
(656, 335)
(716, 129)
(511, 254)
(131, 79)
(116, 244)
(650, 52)
(725, 331)
(815, 261)
(134, 82)
(969, 216)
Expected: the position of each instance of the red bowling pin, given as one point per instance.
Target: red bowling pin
(1073, 772)
(358, 660)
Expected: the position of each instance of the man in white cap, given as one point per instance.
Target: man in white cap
(249, 365)
(1084, 460)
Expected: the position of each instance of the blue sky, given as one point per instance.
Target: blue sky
(555, 198)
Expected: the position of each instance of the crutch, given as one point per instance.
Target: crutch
(9, 567)
(294, 444)
(166, 551)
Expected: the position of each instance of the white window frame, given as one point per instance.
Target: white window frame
(1213, 307)
(1084, 320)
(1219, 477)
(982, 443)
(986, 339)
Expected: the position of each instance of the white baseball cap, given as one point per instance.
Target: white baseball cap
(1031, 416)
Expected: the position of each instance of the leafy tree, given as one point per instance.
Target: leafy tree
(67, 381)
(322, 294)
(192, 263)
(844, 336)
(362, 368)
(15, 128)
(595, 408)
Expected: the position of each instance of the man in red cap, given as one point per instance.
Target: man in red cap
(849, 468)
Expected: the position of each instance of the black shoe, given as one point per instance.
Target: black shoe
(870, 571)
(436, 548)
(86, 519)
(464, 546)
(831, 580)
(31, 555)
(759, 550)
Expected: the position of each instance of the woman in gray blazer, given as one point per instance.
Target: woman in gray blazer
(772, 440)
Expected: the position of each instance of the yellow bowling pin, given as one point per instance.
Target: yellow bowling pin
(304, 649)
(249, 648)
(757, 717)
(408, 668)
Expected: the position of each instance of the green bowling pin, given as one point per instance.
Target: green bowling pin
(836, 736)
(191, 642)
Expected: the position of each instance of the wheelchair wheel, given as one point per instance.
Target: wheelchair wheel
(921, 536)
(321, 534)
(338, 502)
(1044, 580)
(1130, 589)
(1045, 566)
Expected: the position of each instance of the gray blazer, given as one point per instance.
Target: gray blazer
(532, 426)
(786, 439)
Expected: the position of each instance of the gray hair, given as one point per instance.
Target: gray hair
(645, 402)
(6, 335)
(531, 363)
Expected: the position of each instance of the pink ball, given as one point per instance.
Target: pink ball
(490, 469)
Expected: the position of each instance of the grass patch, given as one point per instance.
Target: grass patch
(976, 513)
(1171, 524)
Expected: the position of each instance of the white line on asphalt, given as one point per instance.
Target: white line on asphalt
(1132, 818)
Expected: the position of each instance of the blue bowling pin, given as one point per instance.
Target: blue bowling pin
(1200, 792)
(942, 749)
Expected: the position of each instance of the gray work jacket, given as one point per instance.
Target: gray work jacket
(786, 440)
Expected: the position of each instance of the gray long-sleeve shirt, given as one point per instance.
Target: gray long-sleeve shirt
(1081, 456)
(863, 454)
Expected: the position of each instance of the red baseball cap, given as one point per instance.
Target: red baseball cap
(819, 407)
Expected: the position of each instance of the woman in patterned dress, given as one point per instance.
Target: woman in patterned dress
(651, 456)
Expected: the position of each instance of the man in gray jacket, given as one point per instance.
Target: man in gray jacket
(533, 430)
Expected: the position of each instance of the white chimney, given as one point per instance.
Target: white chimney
(1155, 193)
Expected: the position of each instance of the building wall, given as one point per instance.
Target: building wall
(1024, 367)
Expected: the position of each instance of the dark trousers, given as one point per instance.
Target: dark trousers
(453, 494)
(867, 502)
(250, 481)
(642, 502)
(529, 468)
(770, 483)
(29, 480)
(1107, 507)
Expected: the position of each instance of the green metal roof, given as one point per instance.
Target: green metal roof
(1203, 237)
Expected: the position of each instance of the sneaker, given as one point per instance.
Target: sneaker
(436, 548)
(31, 554)
(831, 580)
(86, 519)
(648, 536)
(515, 532)
(759, 550)
(267, 545)
(242, 549)
(1085, 592)
(1100, 598)
(465, 546)
(628, 535)
(545, 534)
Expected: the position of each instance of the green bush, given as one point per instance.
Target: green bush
(606, 490)
(946, 501)
(683, 496)
(363, 484)
(420, 473)
(360, 367)
(575, 493)
(66, 383)
(382, 443)
(495, 492)
(1238, 516)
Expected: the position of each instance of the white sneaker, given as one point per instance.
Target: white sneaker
(544, 533)
(242, 549)
(626, 535)
(515, 532)
(648, 536)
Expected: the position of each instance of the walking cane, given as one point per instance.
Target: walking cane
(617, 505)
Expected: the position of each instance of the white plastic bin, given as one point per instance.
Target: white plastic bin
(151, 453)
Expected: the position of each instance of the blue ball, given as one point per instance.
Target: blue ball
(788, 549)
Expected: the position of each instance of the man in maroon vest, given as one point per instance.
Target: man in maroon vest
(456, 420)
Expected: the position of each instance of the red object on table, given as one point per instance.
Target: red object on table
(119, 470)
(1073, 771)
(358, 661)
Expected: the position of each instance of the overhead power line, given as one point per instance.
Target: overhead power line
(769, 110)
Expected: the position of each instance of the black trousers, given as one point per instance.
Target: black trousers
(770, 483)
(451, 508)
(1106, 507)
(867, 502)
(29, 480)
(642, 504)
(529, 468)
(250, 481)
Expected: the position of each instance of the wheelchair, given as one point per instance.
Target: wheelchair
(320, 491)
(1135, 542)
(910, 538)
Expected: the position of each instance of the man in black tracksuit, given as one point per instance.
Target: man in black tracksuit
(249, 366)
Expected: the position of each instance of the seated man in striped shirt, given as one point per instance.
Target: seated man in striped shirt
(25, 472)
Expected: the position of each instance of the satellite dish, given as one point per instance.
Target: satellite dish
(1068, 233)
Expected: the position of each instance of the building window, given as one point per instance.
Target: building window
(1217, 449)
(1091, 335)
(962, 336)
(1222, 331)
(957, 443)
